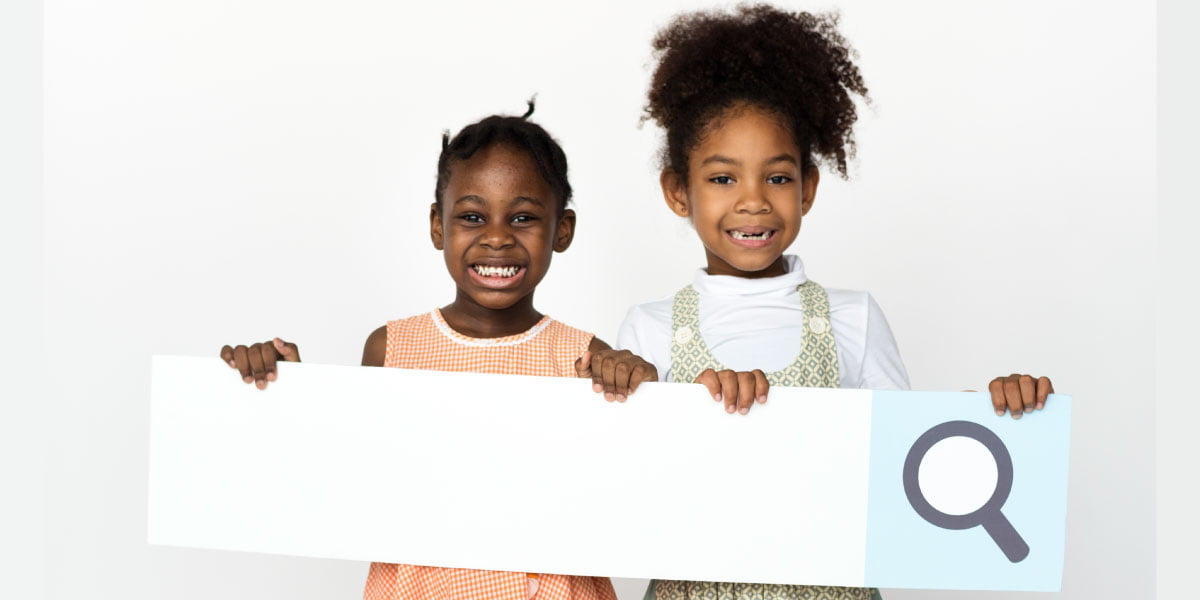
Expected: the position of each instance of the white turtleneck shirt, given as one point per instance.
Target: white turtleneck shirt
(752, 324)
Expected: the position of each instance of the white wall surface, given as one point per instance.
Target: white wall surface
(228, 171)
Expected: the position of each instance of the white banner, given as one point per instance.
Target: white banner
(524, 474)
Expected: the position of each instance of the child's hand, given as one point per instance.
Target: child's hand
(257, 362)
(617, 373)
(1019, 393)
(739, 389)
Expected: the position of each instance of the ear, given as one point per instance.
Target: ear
(565, 232)
(674, 192)
(808, 187)
(436, 234)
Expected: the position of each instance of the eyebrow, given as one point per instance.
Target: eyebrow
(718, 158)
(475, 199)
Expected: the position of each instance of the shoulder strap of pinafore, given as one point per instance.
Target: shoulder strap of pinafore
(816, 365)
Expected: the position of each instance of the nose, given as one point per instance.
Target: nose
(497, 236)
(753, 200)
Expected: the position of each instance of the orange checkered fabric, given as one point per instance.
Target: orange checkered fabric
(549, 348)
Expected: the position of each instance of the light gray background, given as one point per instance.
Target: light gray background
(218, 172)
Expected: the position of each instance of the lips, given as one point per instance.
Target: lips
(751, 237)
(497, 275)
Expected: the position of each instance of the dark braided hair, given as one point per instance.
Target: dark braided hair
(794, 65)
(518, 132)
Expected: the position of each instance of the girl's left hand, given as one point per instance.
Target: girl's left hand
(617, 373)
(1019, 393)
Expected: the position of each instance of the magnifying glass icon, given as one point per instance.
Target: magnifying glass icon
(994, 522)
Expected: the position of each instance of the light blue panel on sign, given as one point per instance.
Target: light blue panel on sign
(904, 550)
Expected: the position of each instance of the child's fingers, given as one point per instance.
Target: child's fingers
(583, 364)
(996, 389)
(761, 385)
(709, 378)
(644, 371)
(746, 389)
(227, 356)
(269, 353)
(254, 354)
(1012, 396)
(621, 384)
(609, 376)
(1028, 392)
(289, 351)
(729, 389)
(242, 363)
(1044, 389)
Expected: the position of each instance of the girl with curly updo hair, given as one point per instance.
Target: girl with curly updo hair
(754, 102)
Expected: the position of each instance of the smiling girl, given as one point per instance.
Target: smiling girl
(499, 215)
(753, 102)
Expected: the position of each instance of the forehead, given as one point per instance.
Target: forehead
(497, 172)
(745, 133)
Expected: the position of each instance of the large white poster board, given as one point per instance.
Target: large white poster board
(541, 475)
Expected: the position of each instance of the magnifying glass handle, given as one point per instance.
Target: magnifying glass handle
(1005, 536)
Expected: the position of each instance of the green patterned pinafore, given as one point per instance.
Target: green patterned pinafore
(816, 366)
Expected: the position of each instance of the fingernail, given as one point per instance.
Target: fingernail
(608, 396)
(270, 377)
(260, 384)
(597, 388)
(717, 397)
(1028, 409)
(620, 398)
(231, 364)
(1016, 414)
(247, 379)
(1040, 405)
(762, 399)
(744, 411)
(999, 413)
(729, 409)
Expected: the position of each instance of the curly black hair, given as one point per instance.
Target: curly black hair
(794, 65)
(518, 132)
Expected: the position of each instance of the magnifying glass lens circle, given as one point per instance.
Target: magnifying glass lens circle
(958, 475)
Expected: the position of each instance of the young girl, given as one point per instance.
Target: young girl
(751, 103)
(500, 212)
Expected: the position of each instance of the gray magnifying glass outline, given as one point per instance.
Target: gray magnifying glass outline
(994, 522)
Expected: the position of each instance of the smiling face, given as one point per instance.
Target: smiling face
(745, 192)
(498, 225)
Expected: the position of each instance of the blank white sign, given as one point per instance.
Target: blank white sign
(510, 473)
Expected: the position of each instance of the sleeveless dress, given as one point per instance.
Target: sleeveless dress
(816, 366)
(549, 348)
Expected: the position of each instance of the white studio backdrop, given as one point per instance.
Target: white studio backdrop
(223, 172)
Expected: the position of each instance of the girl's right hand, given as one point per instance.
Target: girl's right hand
(739, 389)
(257, 362)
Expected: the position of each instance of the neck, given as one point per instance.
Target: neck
(717, 266)
(467, 317)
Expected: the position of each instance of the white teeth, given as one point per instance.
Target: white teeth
(489, 271)
(738, 235)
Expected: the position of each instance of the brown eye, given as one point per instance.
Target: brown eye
(721, 180)
(779, 179)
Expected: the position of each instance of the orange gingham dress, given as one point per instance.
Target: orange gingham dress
(549, 348)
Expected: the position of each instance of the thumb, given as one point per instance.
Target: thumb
(288, 351)
(583, 364)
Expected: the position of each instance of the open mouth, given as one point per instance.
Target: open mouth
(751, 237)
(497, 276)
(496, 271)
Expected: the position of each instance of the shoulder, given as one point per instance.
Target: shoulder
(375, 348)
(649, 313)
(385, 339)
(564, 334)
